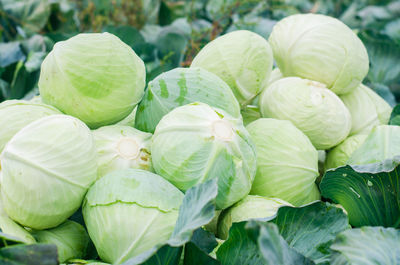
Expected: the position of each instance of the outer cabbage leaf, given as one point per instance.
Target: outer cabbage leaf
(312, 228)
(369, 193)
(258, 243)
(367, 246)
(395, 116)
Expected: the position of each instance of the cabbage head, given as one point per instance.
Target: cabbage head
(196, 142)
(311, 107)
(320, 48)
(251, 207)
(16, 114)
(367, 109)
(47, 168)
(70, 238)
(120, 147)
(128, 212)
(287, 162)
(182, 86)
(243, 59)
(382, 143)
(94, 77)
(339, 155)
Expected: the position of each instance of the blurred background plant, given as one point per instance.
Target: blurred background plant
(168, 33)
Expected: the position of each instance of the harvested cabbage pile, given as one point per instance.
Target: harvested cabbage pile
(261, 152)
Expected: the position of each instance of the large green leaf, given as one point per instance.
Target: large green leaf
(32, 15)
(171, 47)
(23, 81)
(166, 255)
(204, 240)
(275, 249)
(10, 53)
(311, 229)
(194, 255)
(369, 193)
(127, 34)
(197, 209)
(384, 57)
(239, 248)
(42, 254)
(367, 246)
(196, 251)
(385, 92)
(392, 29)
(395, 116)
(258, 243)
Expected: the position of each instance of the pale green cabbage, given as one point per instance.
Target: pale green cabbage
(339, 155)
(382, 143)
(16, 114)
(196, 142)
(320, 48)
(120, 147)
(179, 87)
(94, 77)
(311, 107)
(127, 212)
(251, 207)
(70, 238)
(287, 162)
(367, 109)
(242, 59)
(47, 168)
